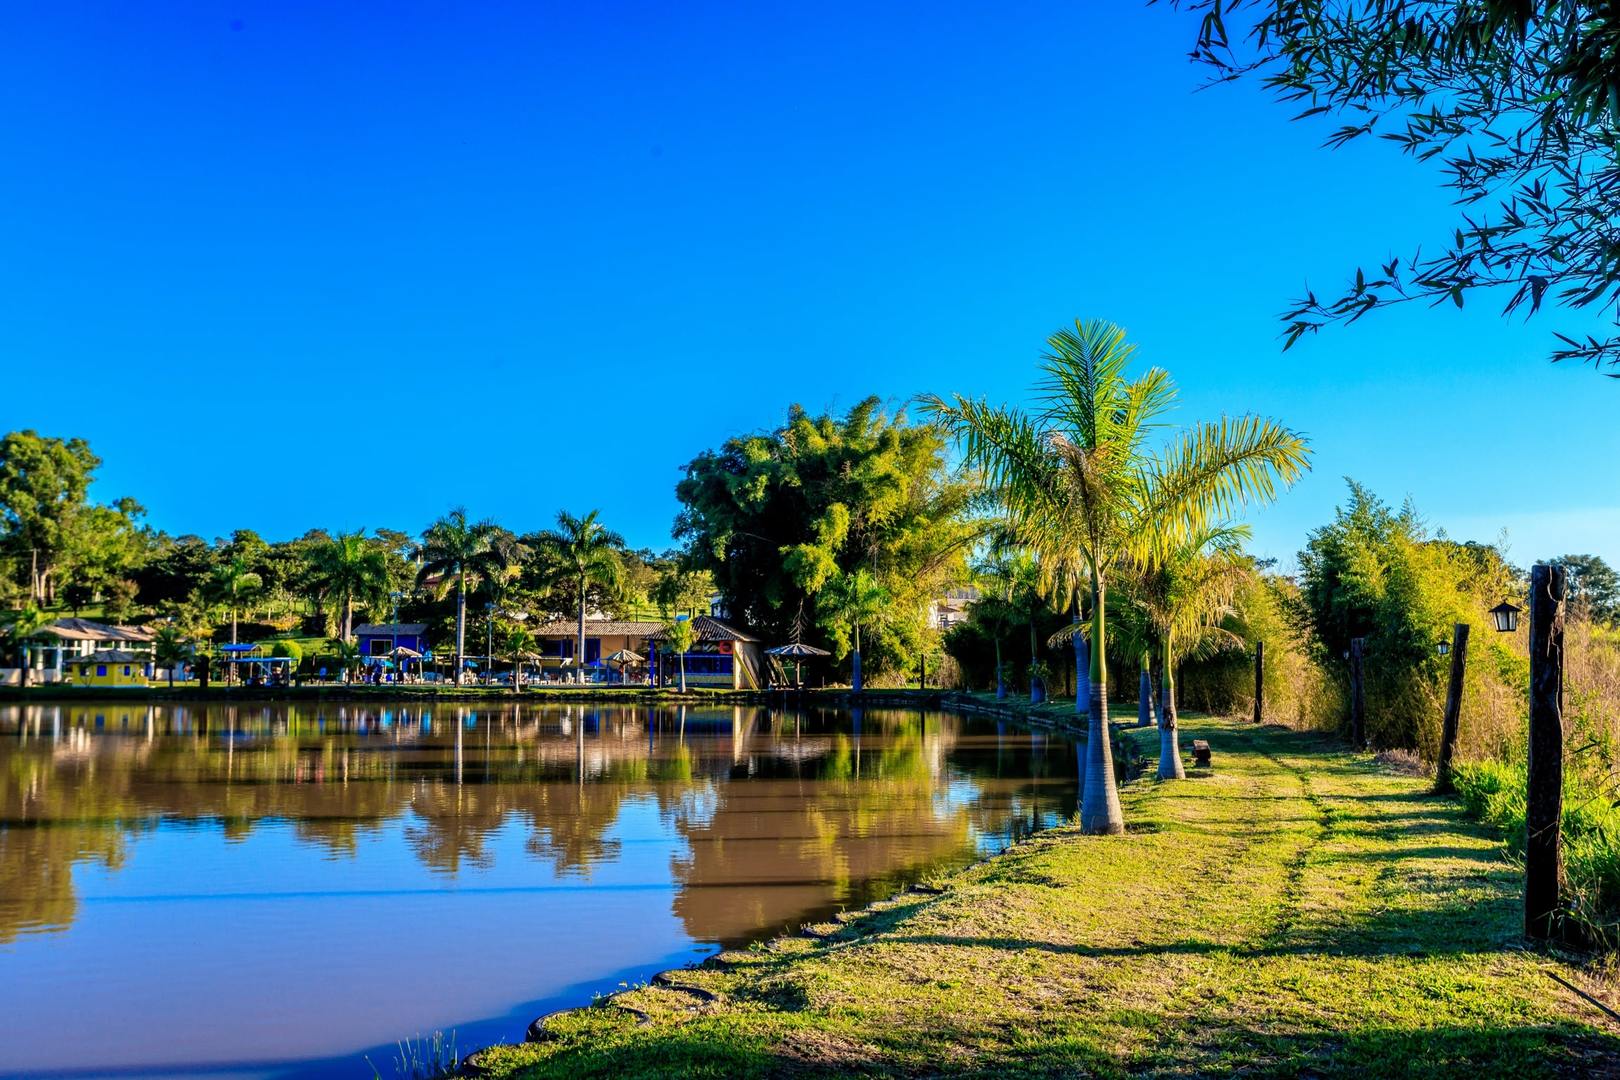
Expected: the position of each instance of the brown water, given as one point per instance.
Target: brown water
(283, 890)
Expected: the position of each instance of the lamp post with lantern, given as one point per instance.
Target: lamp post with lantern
(1544, 785)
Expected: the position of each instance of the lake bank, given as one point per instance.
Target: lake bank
(1296, 909)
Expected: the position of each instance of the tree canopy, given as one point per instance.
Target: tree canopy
(1520, 100)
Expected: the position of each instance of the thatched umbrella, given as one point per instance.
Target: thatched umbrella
(624, 658)
(796, 651)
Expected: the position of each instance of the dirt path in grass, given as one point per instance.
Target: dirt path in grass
(1296, 911)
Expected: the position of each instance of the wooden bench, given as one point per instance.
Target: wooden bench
(1200, 752)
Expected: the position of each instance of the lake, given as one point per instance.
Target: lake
(267, 890)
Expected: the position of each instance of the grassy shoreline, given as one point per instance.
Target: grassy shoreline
(1295, 910)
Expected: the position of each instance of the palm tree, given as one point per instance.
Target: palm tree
(518, 642)
(233, 584)
(20, 628)
(1003, 575)
(347, 653)
(347, 570)
(581, 552)
(452, 549)
(1076, 479)
(848, 602)
(170, 649)
(681, 635)
(1184, 594)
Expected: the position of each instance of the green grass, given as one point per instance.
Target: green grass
(1295, 911)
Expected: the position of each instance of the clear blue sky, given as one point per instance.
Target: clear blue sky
(524, 256)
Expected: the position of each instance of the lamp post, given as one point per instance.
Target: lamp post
(1457, 648)
(1544, 794)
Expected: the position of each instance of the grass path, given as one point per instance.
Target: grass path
(1296, 911)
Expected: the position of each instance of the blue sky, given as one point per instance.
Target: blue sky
(524, 256)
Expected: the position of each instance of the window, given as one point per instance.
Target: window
(379, 647)
(101, 669)
(126, 669)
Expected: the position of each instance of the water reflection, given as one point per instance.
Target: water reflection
(691, 828)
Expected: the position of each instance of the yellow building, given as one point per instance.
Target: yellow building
(107, 667)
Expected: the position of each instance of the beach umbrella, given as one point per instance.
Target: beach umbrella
(624, 658)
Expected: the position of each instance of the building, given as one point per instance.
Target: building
(62, 643)
(947, 611)
(109, 667)
(381, 639)
(722, 656)
(557, 641)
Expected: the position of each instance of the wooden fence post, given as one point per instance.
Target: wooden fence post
(1358, 696)
(1259, 680)
(1454, 692)
(1544, 797)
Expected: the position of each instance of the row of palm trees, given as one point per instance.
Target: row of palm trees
(1085, 492)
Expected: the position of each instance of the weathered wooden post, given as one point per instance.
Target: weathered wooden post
(1259, 681)
(1454, 692)
(1358, 696)
(1544, 797)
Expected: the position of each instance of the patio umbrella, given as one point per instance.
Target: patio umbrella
(624, 658)
(796, 651)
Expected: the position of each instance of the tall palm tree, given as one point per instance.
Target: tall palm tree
(170, 649)
(1003, 576)
(848, 602)
(680, 636)
(1184, 593)
(19, 629)
(581, 552)
(518, 642)
(1076, 478)
(453, 549)
(233, 585)
(347, 570)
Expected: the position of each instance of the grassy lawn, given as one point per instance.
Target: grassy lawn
(1295, 911)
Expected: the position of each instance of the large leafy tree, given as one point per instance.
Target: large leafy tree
(776, 515)
(348, 570)
(1520, 99)
(1594, 586)
(454, 550)
(43, 482)
(1076, 477)
(579, 553)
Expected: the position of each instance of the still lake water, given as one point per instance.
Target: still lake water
(255, 890)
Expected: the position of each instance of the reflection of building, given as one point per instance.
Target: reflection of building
(722, 656)
(109, 667)
(946, 611)
(64, 641)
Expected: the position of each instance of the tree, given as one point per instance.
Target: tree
(581, 552)
(170, 649)
(518, 643)
(20, 628)
(1076, 478)
(233, 585)
(346, 570)
(452, 549)
(1006, 576)
(1594, 587)
(849, 602)
(776, 515)
(1185, 592)
(680, 635)
(679, 590)
(1517, 97)
(43, 482)
(346, 653)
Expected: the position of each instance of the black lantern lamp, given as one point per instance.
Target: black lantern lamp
(1506, 616)
(1442, 647)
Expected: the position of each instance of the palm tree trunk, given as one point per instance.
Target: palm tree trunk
(1144, 695)
(855, 669)
(683, 673)
(579, 655)
(1170, 767)
(233, 621)
(22, 677)
(1099, 795)
(348, 616)
(1035, 688)
(1001, 683)
(461, 618)
(1082, 669)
